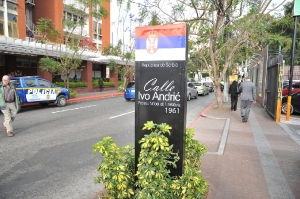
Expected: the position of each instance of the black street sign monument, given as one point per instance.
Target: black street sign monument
(161, 90)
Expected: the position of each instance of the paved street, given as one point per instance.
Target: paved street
(51, 153)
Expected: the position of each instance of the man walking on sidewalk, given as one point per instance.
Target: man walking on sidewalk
(9, 102)
(100, 81)
(248, 92)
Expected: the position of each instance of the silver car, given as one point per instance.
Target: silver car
(192, 91)
(202, 89)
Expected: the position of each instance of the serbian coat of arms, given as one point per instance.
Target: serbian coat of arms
(151, 42)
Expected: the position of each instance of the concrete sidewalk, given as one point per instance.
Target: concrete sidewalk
(257, 159)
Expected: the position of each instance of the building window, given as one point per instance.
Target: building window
(95, 36)
(75, 18)
(1, 27)
(10, 5)
(33, 63)
(100, 29)
(97, 70)
(12, 25)
(1, 23)
(26, 62)
(97, 31)
(69, 17)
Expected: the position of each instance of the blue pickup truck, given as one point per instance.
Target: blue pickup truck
(34, 89)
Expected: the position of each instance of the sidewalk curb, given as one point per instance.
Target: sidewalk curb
(94, 97)
(202, 113)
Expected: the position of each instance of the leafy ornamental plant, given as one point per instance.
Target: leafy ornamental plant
(116, 168)
(153, 179)
(153, 174)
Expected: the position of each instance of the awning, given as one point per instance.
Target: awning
(32, 48)
(109, 59)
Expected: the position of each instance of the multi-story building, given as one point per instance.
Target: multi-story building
(20, 53)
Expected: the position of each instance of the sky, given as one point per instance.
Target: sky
(117, 31)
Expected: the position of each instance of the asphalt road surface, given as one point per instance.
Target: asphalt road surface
(51, 156)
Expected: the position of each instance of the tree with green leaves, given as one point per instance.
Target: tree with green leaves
(73, 39)
(126, 68)
(218, 29)
(124, 50)
(280, 31)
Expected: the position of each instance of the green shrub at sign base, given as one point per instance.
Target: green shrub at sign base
(73, 94)
(153, 176)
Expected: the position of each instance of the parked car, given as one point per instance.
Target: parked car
(34, 89)
(295, 89)
(201, 88)
(287, 82)
(191, 91)
(295, 103)
(129, 93)
(210, 86)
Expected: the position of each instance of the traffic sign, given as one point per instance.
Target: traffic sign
(296, 11)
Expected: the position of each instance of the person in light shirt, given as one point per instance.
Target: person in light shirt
(9, 104)
(247, 91)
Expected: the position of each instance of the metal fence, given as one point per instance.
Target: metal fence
(272, 78)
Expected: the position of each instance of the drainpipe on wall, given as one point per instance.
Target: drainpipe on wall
(5, 19)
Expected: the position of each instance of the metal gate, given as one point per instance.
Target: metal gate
(272, 89)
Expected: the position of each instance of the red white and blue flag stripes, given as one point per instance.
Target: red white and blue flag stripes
(159, 43)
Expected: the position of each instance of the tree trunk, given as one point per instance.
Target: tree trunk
(67, 78)
(219, 96)
(65, 82)
(124, 83)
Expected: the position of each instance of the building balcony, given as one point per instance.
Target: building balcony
(13, 1)
(30, 3)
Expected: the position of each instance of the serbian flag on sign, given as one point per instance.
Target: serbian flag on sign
(161, 43)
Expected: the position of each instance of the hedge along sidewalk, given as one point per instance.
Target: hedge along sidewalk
(83, 84)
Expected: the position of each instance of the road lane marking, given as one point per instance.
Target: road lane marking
(73, 109)
(121, 115)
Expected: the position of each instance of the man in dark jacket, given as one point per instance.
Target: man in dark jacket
(248, 95)
(233, 92)
(101, 84)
